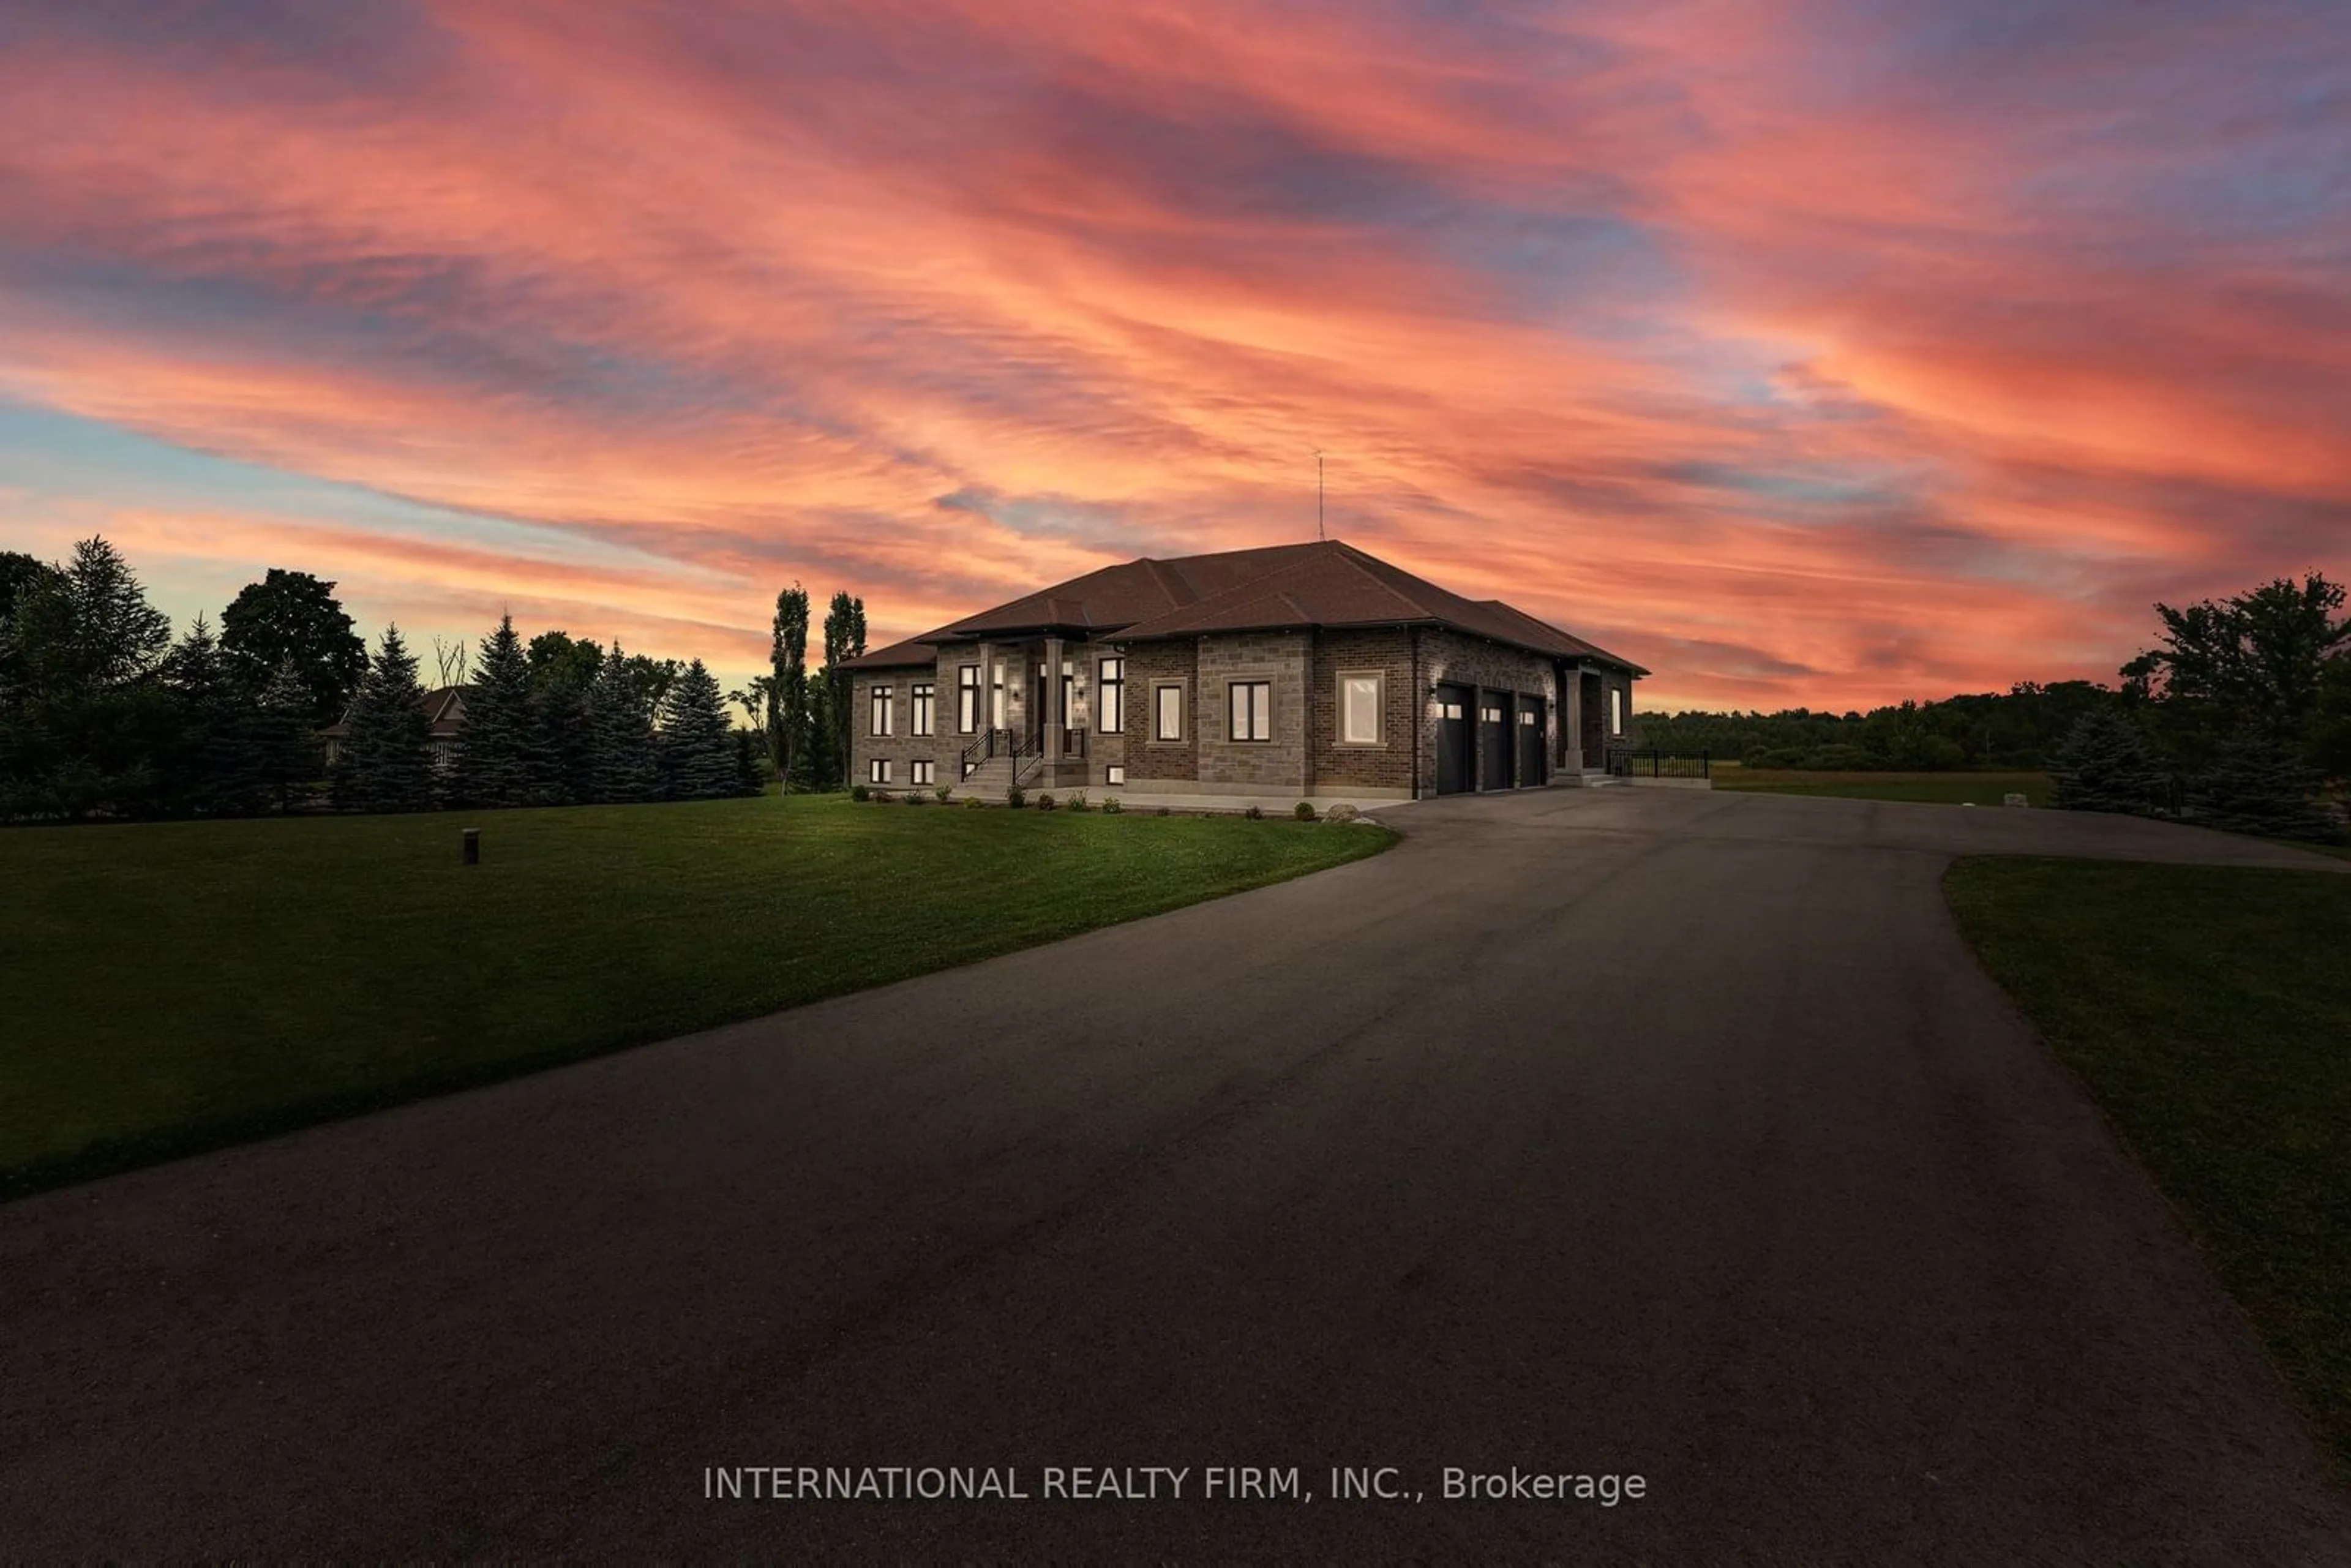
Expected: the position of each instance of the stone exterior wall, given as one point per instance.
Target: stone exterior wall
(902, 747)
(1278, 763)
(1336, 768)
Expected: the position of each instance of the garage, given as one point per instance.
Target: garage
(1456, 764)
(1530, 740)
(1494, 740)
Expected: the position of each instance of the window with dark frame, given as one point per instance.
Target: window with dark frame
(1167, 712)
(968, 699)
(919, 770)
(1114, 774)
(1111, 686)
(919, 694)
(1252, 710)
(879, 715)
(878, 770)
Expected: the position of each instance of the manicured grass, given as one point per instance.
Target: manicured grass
(2207, 1010)
(173, 985)
(1943, 788)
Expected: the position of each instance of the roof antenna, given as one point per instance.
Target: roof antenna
(1317, 495)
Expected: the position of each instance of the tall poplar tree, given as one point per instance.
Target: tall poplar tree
(788, 688)
(844, 639)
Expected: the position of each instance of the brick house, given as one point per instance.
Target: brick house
(1273, 674)
(443, 708)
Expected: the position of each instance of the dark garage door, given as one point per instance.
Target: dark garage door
(1493, 740)
(1530, 740)
(1455, 772)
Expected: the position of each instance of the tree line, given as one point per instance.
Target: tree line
(102, 713)
(2240, 717)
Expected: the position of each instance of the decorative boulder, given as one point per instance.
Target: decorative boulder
(2014, 799)
(1341, 812)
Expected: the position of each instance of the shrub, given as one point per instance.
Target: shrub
(1166, 812)
(1303, 811)
(916, 798)
(1111, 807)
(1255, 814)
(1016, 796)
(974, 803)
(944, 792)
(1077, 801)
(860, 793)
(1045, 801)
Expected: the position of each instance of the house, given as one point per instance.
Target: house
(1275, 673)
(445, 716)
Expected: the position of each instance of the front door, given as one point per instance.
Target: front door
(1593, 746)
(1456, 762)
(1493, 740)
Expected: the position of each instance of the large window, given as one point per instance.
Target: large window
(878, 770)
(1361, 705)
(878, 714)
(920, 692)
(1110, 690)
(1616, 710)
(968, 699)
(996, 719)
(1167, 712)
(1069, 708)
(1252, 710)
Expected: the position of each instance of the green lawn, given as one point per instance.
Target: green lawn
(2209, 1012)
(173, 985)
(1942, 788)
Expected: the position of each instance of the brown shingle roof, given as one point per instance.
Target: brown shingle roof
(897, 655)
(443, 708)
(1325, 584)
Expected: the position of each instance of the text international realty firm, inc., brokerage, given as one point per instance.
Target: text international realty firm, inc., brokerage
(1157, 1483)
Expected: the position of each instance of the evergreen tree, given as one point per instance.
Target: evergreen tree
(697, 757)
(2257, 784)
(386, 763)
(503, 755)
(746, 764)
(563, 670)
(285, 744)
(84, 717)
(621, 766)
(2106, 764)
(214, 767)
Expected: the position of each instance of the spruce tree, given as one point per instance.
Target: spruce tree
(697, 757)
(386, 764)
(2106, 765)
(622, 764)
(213, 768)
(286, 751)
(504, 757)
(746, 764)
(2256, 784)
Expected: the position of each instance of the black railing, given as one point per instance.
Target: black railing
(1634, 762)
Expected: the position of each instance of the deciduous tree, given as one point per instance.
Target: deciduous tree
(294, 617)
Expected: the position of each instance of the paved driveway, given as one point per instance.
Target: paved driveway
(1611, 1131)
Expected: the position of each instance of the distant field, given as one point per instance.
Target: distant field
(1942, 788)
(173, 986)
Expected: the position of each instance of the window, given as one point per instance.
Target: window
(1069, 708)
(1490, 713)
(1114, 774)
(1252, 710)
(921, 694)
(1112, 687)
(1527, 717)
(879, 715)
(1616, 710)
(919, 770)
(996, 696)
(968, 699)
(1167, 712)
(1360, 708)
(878, 770)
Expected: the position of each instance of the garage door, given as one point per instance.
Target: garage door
(1456, 764)
(1493, 740)
(1530, 740)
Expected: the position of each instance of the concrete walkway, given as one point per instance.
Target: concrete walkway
(1616, 1131)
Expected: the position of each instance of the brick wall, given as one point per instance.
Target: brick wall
(1148, 665)
(1281, 659)
(1451, 656)
(1337, 768)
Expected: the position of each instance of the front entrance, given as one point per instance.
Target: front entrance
(1457, 764)
(1594, 747)
(1530, 740)
(1494, 740)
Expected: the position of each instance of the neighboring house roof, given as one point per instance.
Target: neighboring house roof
(443, 708)
(897, 655)
(1325, 584)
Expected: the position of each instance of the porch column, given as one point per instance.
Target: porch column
(1052, 719)
(1571, 717)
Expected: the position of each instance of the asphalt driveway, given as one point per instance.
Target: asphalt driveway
(1586, 1131)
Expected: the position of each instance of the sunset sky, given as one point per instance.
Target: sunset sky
(1818, 353)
